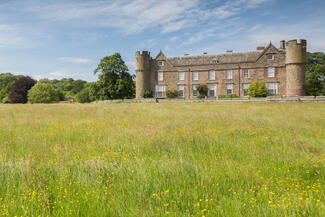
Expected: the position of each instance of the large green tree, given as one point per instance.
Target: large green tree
(115, 81)
(6, 82)
(44, 93)
(315, 75)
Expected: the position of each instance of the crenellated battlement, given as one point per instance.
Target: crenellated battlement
(294, 42)
(142, 53)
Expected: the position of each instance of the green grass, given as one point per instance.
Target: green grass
(166, 159)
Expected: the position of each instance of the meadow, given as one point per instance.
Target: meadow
(163, 159)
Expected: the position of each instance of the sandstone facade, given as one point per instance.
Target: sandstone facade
(282, 69)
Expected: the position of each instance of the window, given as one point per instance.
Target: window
(269, 57)
(212, 75)
(181, 76)
(181, 89)
(160, 76)
(215, 61)
(195, 76)
(161, 63)
(212, 90)
(270, 72)
(245, 88)
(160, 91)
(229, 74)
(246, 73)
(229, 88)
(272, 88)
(194, 89)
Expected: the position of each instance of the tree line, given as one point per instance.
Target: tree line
(115, 82)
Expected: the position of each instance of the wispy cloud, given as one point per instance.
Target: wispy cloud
(58, 74)
(309, 31)
(133, 16)
(147, 44)
(12, 37)
(75, 60)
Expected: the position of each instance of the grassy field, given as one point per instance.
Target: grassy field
(166, 159)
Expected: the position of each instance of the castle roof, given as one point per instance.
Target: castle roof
(238, 57)
(223, 58)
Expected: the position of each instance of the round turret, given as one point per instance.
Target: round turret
(142, 72)
(296, 59)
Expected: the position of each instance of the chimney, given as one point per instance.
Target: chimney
(260, 48)
(283, 44)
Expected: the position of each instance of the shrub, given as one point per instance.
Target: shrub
(6, 100)
(20, 88)
(84, 96)
(6, 82)
(147, 94)
(257, 89)
(203, 90)
(44, 93)
(228, 96)
(171, 94)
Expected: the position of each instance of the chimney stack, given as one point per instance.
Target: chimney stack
(260, 48)
(283, 44)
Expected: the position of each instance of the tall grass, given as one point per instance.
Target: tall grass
(167, 159)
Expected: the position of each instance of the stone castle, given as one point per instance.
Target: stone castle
(282, 69)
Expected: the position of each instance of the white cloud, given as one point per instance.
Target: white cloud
(256, 3)
(59, 74)
(309, 31)
(147, 44)
(199, 36)
(130, 16)
(174, 26)
(133, 16)
(12, 37)
(75, 60)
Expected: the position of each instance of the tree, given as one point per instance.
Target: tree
(84, 96)
(6, 82)
(114, 82)
(77, 86)
(257, 89)
(44, 93)
(203, 90)
(20, 89)
(315, 74)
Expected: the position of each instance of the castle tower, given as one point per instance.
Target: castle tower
(143, 60)
(296, 59)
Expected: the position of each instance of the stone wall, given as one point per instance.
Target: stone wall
(265, 99)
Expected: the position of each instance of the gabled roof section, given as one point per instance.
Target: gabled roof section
(160, 56)
(270, 49)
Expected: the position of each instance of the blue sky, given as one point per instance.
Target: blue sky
(67, 38)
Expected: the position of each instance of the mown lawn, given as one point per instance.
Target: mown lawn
(164, 159)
